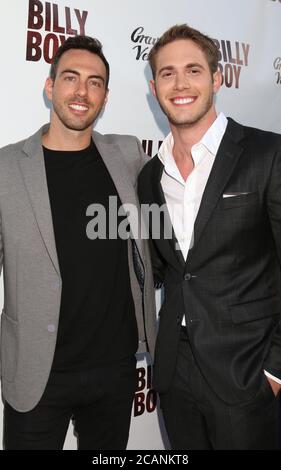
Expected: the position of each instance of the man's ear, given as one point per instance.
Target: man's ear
(49, 88)
(106, 98)
(152, 87)
(217, 80)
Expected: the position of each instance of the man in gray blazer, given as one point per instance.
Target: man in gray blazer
(76, 305)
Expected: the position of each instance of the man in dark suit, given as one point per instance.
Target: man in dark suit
(218, 352)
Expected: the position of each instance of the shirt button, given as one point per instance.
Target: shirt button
(51, 328)
(187, 277)
(56, 285)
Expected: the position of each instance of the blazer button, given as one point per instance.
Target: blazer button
(51, 328)
(187, 277)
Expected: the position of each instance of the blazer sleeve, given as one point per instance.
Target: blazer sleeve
(272, 362)
(143, 157)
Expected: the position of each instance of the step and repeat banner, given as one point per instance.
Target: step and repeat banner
(248, 35)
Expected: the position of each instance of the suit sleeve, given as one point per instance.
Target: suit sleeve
(272, 362)
(157, 261)
(158, 265)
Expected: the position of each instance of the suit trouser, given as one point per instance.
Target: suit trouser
(99, 401)
(197, 419)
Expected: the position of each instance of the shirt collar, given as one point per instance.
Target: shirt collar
(211, 140)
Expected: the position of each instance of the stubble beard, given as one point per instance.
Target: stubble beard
(70, 122)
(182, 121)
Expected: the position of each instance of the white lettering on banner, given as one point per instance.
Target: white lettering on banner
(45, 17)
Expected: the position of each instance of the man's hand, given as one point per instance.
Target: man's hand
(276, 387)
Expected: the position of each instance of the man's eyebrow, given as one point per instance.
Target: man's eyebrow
(99, 77)
(188, 66)
(194, 64)
(69, 71)
(74, 72)
(166, 67)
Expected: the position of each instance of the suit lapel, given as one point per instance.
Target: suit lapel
(115, 164)
(170, 245)
(225, 162)
(34, 175)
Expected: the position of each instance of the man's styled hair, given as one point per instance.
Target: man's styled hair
(183, 31)
(86, 43)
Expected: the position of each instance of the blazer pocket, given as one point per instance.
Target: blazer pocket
(9, 347)
(255, 310)
(239, 201)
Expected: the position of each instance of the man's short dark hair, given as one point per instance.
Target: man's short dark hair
(183, 31)
(86, 43)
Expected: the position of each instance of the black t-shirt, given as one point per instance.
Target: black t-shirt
(97, 324)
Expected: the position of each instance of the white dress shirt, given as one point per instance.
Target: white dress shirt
(183, 198)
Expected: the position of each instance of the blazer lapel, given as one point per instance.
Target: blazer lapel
(34, 176)
(118, 171)
(225, 162)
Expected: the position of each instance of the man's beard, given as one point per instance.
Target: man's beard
(70, 122)
(182, 121)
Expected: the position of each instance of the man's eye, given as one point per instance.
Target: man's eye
(95, 83)
(167, 74)
(70, 78)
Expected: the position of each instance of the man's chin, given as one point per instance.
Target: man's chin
(79, 127)
(182, 122)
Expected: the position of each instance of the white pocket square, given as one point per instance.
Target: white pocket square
(234, 194)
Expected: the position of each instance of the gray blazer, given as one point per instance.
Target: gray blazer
(32, 280)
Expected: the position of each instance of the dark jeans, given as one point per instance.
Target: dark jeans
(99, 401)
(196, 418)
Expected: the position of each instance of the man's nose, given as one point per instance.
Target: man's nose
(181, 81)
(81, 88)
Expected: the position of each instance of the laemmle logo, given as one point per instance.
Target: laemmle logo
(277, 68)
(48, 28)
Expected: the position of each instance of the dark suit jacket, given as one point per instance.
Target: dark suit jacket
(229, 287)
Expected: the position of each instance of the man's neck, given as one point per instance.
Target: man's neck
(187, 136)
(66, 139)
